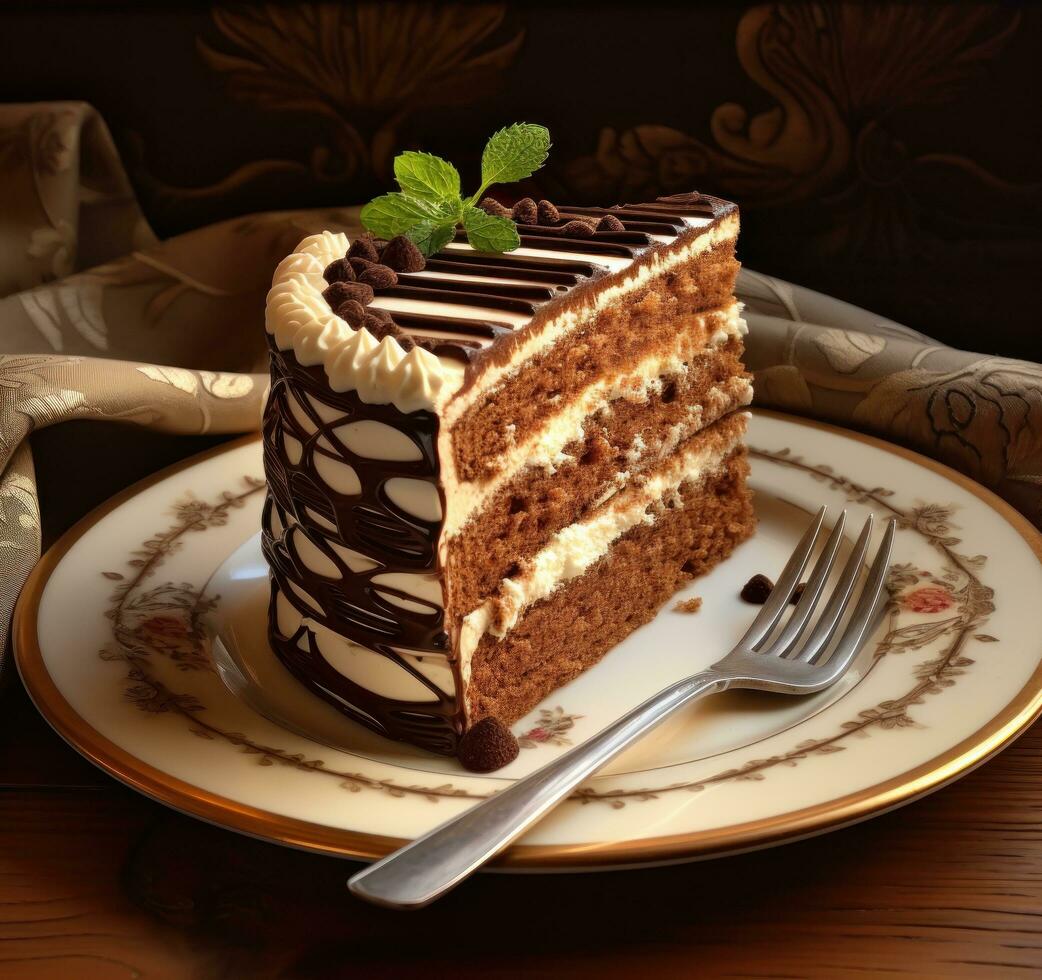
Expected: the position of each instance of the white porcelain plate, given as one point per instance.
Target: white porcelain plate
(141, 638)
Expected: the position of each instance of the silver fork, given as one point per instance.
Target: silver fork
(426, 869)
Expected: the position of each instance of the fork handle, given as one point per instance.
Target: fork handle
(422, 871)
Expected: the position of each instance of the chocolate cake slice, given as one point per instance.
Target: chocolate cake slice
(487, 469)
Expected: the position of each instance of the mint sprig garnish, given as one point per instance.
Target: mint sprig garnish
(430, 237)
(488, 232)
(426, 176)
(513, 154)
(396, 214)
(429, 207)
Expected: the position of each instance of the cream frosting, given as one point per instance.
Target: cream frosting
(299, 319)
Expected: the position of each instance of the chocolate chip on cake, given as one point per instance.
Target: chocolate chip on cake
(352, 311)
(577, 229)
(610, 223)
(757, 590)
(402, 255)
(381, 324)
(381, 327)
(379, 276)
(339, 271)
(491, 206)
(525, 212)
(339, 293)
(363, 247)
(547, 213)
(488, 746)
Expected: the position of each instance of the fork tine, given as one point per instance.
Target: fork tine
(797, 623)
(872, 599)
(826, 626)
(776, 603)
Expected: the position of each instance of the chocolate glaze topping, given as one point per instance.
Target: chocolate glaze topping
(489, 329)
(625, 237)
(561, 243)
(528, 273)
(663, 225)
(545, 265)
(582, 230)
(412, 286)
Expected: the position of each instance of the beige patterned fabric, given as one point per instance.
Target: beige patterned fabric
(98, 320)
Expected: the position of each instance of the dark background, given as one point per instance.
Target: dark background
(886, 154)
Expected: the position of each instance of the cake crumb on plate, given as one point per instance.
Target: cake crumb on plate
(688, 605)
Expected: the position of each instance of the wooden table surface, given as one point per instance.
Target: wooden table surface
(96, 881)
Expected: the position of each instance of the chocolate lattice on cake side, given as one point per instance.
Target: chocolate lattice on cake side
(368, 523)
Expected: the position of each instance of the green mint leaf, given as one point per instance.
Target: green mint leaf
(489, 233)
(426, 176)
(514, 153)
(430, 237)
(394, 214)
(429, 207)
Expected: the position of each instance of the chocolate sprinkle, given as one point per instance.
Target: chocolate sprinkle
(339, 292)
(402, 255)
(339, 271)
(352, 311)
(525, 212)
(491, 206)
(363, 248)
(488, 746)
(577, 229)
(547, 213)
(757, 590)
(379, 277)
(610, 223)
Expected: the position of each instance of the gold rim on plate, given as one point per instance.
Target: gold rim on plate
(1016, 716)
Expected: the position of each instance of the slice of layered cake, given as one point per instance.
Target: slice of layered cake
(486, 469)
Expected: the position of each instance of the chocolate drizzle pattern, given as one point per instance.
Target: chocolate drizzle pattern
(541, 279)
(545, 266)
(370, 523)
(487, 329)
(526, 272)
(492, 297)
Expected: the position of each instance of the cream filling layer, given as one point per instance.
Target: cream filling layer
(544, 448)
(574, 549)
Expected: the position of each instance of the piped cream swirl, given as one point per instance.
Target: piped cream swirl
(299, 318)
